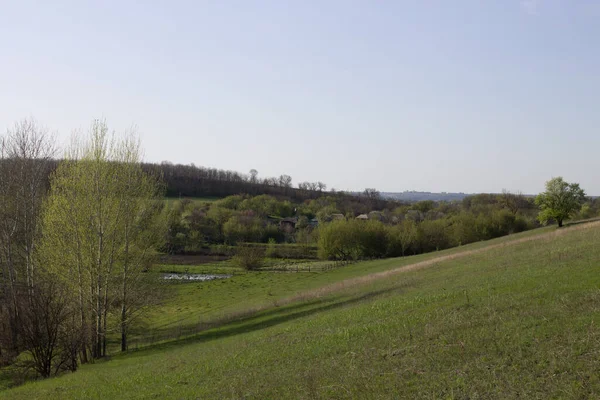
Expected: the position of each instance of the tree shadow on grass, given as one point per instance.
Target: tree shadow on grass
(177, 331)
(264, 320)
(583, 221)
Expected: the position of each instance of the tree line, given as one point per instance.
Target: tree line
(346, 229)
(193, 181)
(397, 229)
(429, 226)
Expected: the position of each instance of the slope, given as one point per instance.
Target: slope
(508, 319)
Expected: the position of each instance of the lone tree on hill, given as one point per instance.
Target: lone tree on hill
(559, 200)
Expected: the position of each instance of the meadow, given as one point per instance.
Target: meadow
(514, 317)
(190, 307)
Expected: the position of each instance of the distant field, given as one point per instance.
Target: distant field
(509, 318)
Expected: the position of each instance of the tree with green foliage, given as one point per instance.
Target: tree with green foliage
(560, 200)
(353, 240)
(101, 222)
(406, 233)
(340, 240)
(245, 227)
(325, 213)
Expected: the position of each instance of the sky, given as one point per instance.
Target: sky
(456, 96)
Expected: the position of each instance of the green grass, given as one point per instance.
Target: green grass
(519, 321)
(191, 304)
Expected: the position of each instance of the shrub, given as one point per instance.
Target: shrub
(339, 240)
(373, 239)
(272, 233)
(243, 228)
(249, 257)
(433, 235)
(271, 248)
(353, 240)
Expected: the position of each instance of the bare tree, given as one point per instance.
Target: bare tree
(47, 331)
(371, 193)
(253, 175)
(285, 181)
(513, 201)
(26, 156)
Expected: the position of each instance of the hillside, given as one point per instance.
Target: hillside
(514, 317)
(411, 196)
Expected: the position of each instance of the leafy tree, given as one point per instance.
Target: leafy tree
(402, 236)
(340, 240)
(424, 206)
(243, 228)
(324, 214)
(353, 240)
(219, 215)
(433, 235)
(559, 201)
(100, 225)
(373, 239)
(229, 202)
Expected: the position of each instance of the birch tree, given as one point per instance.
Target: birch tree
(100, 227)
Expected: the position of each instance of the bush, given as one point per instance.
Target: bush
(433, 235)
(353, 240)
(374, 239)
(272, 233)
(243, 228)
(271, 248)
(249, 257)
(339, 240)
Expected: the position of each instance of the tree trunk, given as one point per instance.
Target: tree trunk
(123, 328)
(560, 223)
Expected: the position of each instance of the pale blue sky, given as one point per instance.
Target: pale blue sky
(471, 96)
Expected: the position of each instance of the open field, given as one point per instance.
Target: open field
(510, 318)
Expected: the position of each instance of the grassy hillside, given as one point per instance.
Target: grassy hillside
(191, 306)
(510, 318)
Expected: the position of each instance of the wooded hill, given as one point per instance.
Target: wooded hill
(193, 181)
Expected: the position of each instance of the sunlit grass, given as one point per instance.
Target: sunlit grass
(516, 321)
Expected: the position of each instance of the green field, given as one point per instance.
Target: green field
(515, 317)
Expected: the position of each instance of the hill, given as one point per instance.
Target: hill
(510, 318)
(411, 196)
